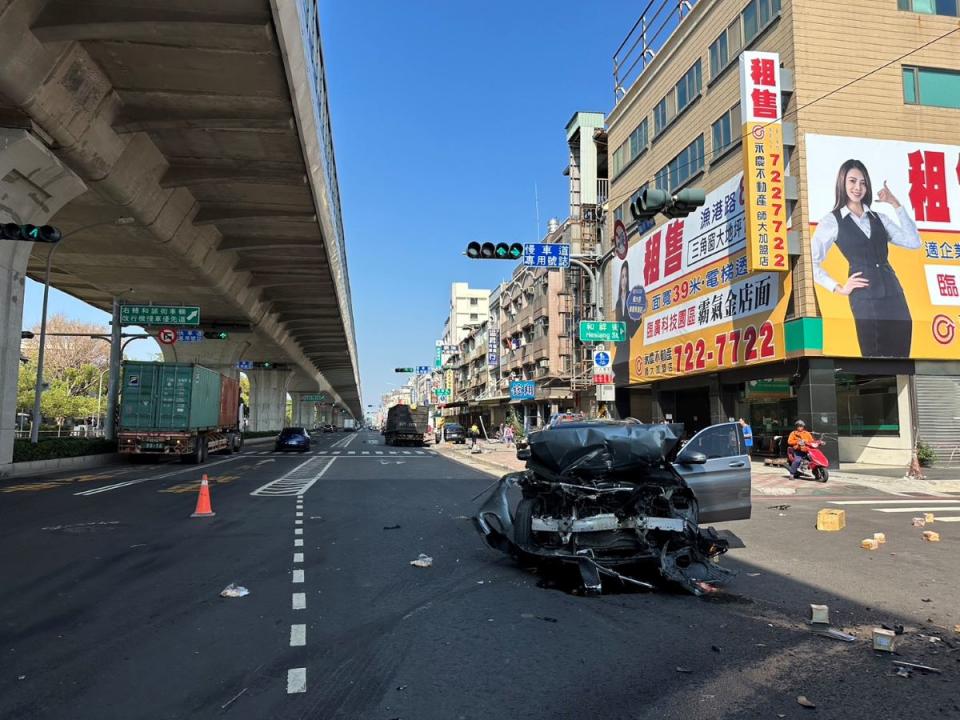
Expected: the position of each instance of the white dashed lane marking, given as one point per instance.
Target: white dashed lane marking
(296, 680)
(298, 635)
(298, 542)
(298, 577)
(298, 557)
(299, 601)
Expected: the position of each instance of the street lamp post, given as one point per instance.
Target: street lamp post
(38, 388)
(100, 395)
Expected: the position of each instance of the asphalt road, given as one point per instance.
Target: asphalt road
(110, 606)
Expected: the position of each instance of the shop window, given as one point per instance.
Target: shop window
(867, 406)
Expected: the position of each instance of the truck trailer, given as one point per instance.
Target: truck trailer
(179, 409)
(406, 425)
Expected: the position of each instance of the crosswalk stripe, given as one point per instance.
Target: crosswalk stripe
(366, 452)
(948, 519)
(351, 452)
(917, 509)
(912, 501)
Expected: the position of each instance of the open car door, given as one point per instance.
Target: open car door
(716, 466)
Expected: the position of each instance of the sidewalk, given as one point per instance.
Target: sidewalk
(496, 458)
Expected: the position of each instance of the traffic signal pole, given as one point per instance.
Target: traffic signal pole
(113, 386)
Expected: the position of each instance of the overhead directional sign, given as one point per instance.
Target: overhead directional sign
(602, 331)
(245, 365)
(547, 255)
(423, 369)
(314, 397)
(159, 315)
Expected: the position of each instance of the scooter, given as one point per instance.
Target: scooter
(815, 463)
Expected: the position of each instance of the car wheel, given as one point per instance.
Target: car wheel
(523, 522)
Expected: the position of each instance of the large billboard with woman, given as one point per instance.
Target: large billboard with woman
(885, 244)
(689, 301)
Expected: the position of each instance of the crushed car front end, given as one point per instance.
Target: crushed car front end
(604, 497)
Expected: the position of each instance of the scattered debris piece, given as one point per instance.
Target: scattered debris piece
(931, 536)
(919, 522)
(897, 628)
(925, 600)
(391, 527)
(424, 561)
(802, 700)
(869, 544)
(831, 520)
(21, 677)
(234, 591)
(929, 518)
(684, 670)
(884, 640)
(820, 614)
(904, 672)
(754, 574)
(835, 634)
(915, 666)
(779, 507)
(716, 648)
(401, 687)
(548, 619)
(956, 629)
(880, 537)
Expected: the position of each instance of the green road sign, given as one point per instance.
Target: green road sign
(442, 393)
(591, 331)
(316, 397)
(159, 315)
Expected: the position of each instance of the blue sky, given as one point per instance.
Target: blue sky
(445, 114)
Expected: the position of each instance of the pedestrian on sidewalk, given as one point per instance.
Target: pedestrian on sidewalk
(508, 435)
(474, 436)
(747, 436)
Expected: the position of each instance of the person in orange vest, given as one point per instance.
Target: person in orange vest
(798, 443)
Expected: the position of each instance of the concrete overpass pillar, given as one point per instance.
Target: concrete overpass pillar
(304, 413)
(34, 186)
(268, 398)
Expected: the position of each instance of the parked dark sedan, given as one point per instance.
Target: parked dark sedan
(452, 432)
(293, 438)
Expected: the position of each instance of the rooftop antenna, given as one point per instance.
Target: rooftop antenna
(536, 200)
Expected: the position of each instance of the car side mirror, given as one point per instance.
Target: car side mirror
(523, 453)
(691, 457)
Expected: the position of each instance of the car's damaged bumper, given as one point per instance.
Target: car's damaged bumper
(683, 552)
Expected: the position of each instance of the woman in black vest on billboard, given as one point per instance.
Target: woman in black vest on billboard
(884, 325)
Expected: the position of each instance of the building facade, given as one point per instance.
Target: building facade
(874, 364)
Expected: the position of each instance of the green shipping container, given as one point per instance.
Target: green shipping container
(168, 396)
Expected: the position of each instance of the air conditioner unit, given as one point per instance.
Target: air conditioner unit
(544, 363)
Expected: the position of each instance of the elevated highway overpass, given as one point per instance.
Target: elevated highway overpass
(202, 125)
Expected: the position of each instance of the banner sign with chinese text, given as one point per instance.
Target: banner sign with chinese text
(887, 279)
(763, 162)
(493, 348)
(689, 300)
(523, 389)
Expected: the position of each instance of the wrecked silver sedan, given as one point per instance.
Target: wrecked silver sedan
(612, 496)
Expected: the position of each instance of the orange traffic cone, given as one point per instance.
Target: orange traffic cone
(203, 500)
